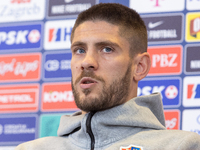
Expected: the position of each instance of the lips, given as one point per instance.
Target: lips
(87, 82)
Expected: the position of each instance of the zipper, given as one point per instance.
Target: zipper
(89, 129)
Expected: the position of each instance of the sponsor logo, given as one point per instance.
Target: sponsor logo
(19, 98)
(153, 25)
(165, 60)
(68, 1)
(57, 97)
(20, 1)
(192, 27)
(169, 89)
(157, 3)
(194, 64)
(17, 129)
(20, 37)
(171, 92)
(191, 118)
(162, 28)
(57, 66)
(192, 4)
(195, 26)
(21, 10)
(152, 6)
(68, 8)
(172, 119)
(191, 91)
(192, 59)
(20, 67)
(57, 34)
(131, 147)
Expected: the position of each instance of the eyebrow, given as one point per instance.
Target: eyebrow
(102, 43)
(78, 44)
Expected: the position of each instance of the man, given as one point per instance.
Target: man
(109, 44)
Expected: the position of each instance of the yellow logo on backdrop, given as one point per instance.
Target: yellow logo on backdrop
(192, 27)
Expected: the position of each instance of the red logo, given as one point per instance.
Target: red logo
(57, 97)
(194, 26)
(165, 60)
(193, 91)
(172, 119)
(20, 1)
(19, 98)
(131, 147)
(20, 67)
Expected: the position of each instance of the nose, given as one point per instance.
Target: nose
(89, 62)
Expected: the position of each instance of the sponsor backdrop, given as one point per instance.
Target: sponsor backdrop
(35, 75)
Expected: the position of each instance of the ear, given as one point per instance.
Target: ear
(142, 66)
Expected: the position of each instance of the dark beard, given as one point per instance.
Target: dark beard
(109, 97)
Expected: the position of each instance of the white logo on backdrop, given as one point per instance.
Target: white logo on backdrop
(171, 92)
(68, 1)
(34, 36)
(11, 11)
(155, 24)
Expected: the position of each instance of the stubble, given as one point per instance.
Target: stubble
(110, 96)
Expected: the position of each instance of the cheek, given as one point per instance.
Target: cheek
(74, 65)
(74, 71)
(115, 70)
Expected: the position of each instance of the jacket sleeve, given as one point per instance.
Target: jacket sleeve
(190, 142)
(45, 143)
(33, 145)
(20, 147)
(26, 146)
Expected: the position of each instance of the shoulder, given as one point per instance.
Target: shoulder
(163, 139)
(178, 135)
(45, 143)
(190, 140)
(178, 139)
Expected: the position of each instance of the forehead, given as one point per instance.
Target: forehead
(97, 30)
(97, 24)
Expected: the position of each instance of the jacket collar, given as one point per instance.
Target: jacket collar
(138, 114)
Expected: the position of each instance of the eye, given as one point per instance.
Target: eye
(107, 50)
(80, 51)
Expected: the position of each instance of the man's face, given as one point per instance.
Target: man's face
(102, 71)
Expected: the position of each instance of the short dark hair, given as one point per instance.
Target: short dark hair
(131, 26)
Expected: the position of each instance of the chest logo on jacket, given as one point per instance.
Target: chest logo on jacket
(131, 147)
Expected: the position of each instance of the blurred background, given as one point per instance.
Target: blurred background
(35, 75)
